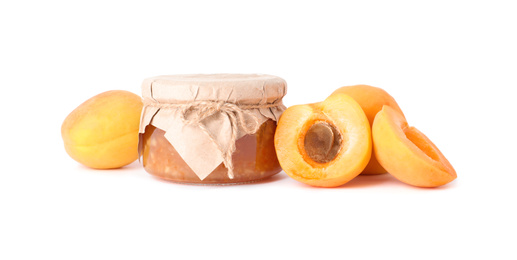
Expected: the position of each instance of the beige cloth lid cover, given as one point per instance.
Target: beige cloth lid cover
(201, 145)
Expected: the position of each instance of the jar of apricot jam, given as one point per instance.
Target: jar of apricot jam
(211, 128)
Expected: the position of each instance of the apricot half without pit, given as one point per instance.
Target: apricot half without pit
(407, 153)
(324, 144)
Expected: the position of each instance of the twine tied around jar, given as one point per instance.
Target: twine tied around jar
(194, 112)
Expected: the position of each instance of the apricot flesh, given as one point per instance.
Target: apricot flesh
(324, 144)
(371, 99)
(407, 153)
(102, 132)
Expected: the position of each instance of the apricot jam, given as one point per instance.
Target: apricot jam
(254, 158)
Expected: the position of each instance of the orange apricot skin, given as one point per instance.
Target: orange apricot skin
(371, 99)
(347, 116)
(407, 153)
(102, 132)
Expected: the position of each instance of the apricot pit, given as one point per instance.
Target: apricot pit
(322, 142)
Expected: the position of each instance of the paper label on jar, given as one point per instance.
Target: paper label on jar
(196, 148)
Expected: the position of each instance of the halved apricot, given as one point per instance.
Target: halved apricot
(324, 144)
(407, 153)
(371, 99)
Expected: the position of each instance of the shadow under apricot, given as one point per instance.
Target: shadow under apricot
(367, 180)
(131, 166)
(386, 179)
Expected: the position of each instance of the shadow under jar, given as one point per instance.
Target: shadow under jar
(254, 157)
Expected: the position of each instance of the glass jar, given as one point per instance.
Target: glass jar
(165, 127)
(254, 158)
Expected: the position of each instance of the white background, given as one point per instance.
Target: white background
(451, 66)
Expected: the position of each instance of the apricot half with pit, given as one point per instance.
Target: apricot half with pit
(324, 144)
(371, 99)
(407, 153)
(102, 132)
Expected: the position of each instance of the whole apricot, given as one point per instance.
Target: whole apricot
(102, 132)
(371, 99)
